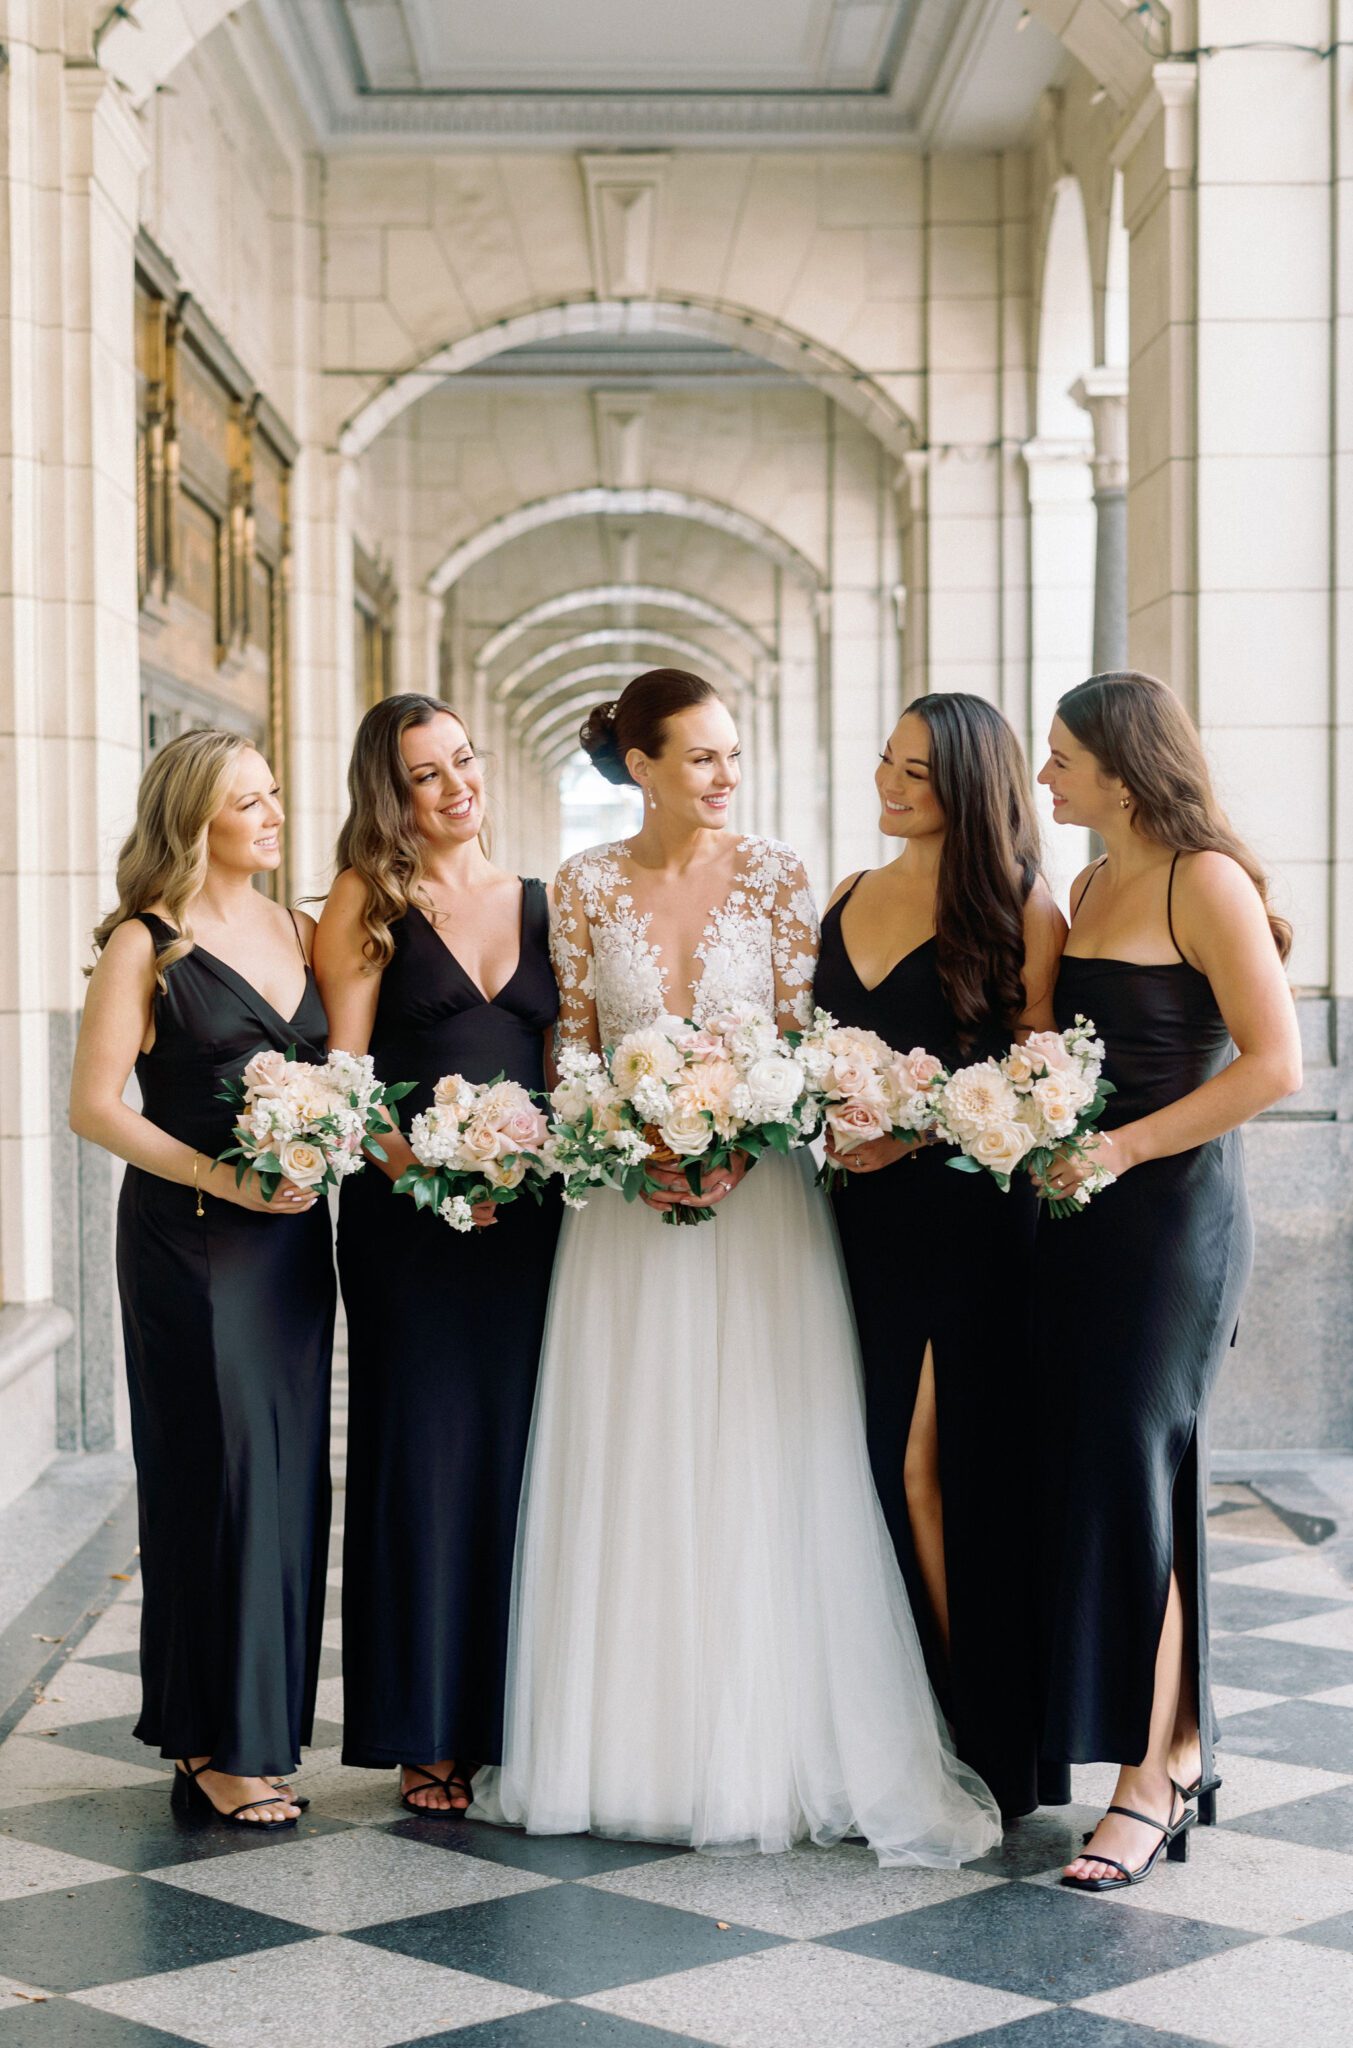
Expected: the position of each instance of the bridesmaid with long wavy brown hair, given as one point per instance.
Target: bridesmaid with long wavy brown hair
(435, 961)
(1178, 957)
(952, 946)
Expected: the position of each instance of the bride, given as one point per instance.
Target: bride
(710, 1641)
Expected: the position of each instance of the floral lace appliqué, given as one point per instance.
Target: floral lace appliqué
(758, 946)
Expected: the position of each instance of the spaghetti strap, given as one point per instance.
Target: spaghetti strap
(300, 942)
(1169, 909)
(851, 890)
(1076, 906)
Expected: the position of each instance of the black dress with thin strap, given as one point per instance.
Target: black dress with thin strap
(444, 1336)
(1136, 1302)
(227, 1321)
(939, 1257)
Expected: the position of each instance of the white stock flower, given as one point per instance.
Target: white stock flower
(456, 1211)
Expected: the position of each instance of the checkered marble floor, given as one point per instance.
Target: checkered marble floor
(367, 1928)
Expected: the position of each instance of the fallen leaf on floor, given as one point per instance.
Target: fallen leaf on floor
(119, 1575)
(722, 1926)
(45, 1639)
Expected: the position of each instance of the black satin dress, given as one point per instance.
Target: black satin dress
(1136, 1304)
(444, 1335)
(227, 1322)
(939, 1257)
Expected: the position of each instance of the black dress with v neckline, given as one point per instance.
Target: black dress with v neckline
(942, 1257)
(444, 1336)
(227, 1324)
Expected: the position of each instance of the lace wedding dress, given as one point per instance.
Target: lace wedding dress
(710, 1639)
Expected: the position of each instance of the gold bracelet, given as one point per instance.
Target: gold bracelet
(197, 1161)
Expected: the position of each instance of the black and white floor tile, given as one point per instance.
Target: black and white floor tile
(121, 1927)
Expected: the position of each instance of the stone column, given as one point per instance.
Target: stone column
(1061, 577)
(324, 685)
(1103, 394)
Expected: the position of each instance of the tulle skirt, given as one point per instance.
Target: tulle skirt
(710, 1641)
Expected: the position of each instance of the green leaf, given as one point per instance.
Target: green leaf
(962, 1164)
(425, 1194)
(397, 1090)
(778, 1135)
(377, 1151)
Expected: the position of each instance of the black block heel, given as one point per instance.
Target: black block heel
(1205, 1791)
(190, 1801)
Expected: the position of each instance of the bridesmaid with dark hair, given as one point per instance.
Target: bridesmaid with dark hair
(1176, 955)
(227, 1299)
(435, 961)
(953, 947)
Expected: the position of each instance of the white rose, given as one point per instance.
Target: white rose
(303, 1163)
(1001, 1146)
(685, 1131)
(1061, 1098)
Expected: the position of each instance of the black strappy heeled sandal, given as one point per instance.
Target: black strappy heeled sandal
(1205, 1791)
(289, 1793)
(1174, 1840)
(455, 1779)
(187, 1797)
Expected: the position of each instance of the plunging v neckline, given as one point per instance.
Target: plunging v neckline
(243, 979)
(871, 988)
(487, 1000)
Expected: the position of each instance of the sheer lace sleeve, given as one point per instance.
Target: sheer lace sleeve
(794, 940)
(574, 964)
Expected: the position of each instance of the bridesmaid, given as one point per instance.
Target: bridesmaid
(1176, 955)
(436, 962)
(953, 946)
(227, 1300)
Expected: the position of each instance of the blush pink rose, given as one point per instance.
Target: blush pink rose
(855, 1123)
(266, 1073)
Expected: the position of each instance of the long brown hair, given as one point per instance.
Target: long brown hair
(638, 718)
(164, 856)
(989, 862)
(1138, 730)
(379, 839)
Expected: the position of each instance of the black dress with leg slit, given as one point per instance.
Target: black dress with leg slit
(444, 1336)
(944, 1258)
(227, 1322)
(1136, 1303)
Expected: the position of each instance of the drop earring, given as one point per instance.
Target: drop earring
(652, 800)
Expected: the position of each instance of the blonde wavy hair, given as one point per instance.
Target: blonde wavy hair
(164, 856)
(380, 840)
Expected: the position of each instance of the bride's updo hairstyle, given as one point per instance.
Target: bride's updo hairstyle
(638, 718)
(1138, 731)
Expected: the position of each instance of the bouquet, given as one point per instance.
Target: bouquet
(1044, 1097)
(480, 1142)
(864, 1089)
(305, 1123)
(679, 1094)
(595, 1140)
